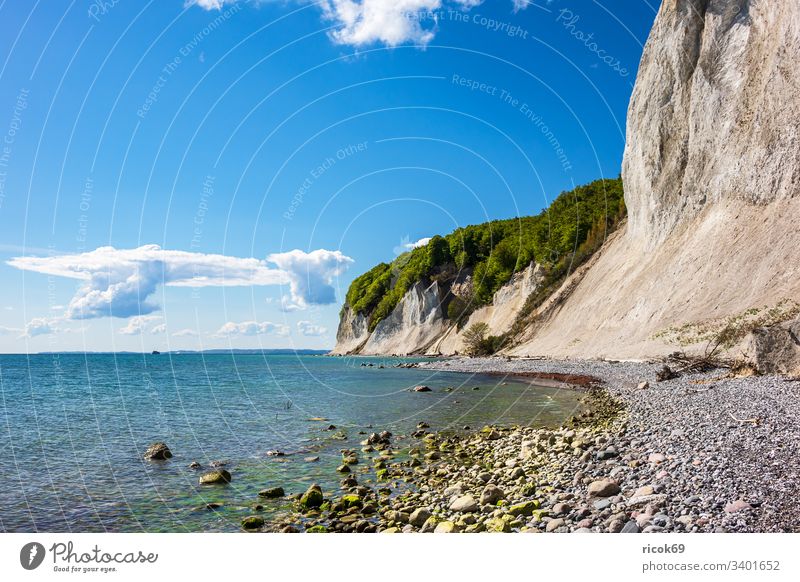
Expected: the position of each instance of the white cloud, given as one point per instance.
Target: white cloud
(311, 330)
(405, 245)
(9, 330)
(39, 326)
(420, 243)
(160, 328)
(311, 275)
(209, 4)
(138, 324)
(253, 328)
(185, 333)
(119, 282)
(390, 22)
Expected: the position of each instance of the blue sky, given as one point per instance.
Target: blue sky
(199, 175)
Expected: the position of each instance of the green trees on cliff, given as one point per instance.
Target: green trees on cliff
(559, 238)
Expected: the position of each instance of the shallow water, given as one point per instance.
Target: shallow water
(73, 429)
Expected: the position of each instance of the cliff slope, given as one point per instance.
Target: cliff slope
(712, 176)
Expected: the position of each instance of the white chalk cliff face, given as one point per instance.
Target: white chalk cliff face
(500, 315)
(714, 114)
(712, 184)
(413, 324)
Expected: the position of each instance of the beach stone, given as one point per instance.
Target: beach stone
(630, 527)
(312, 498)
(560, 508)
(644, 491)
(493, 525)
(603, 488)
(616, 526)
(220, 476)
(601, 504)
(456, 489)
(351, 500)
(656, 458)
(195, 465)
(430, 524)
(655, 500)
(554, 524)
(665, 373)
(157, 452)
(526, 508)
(419, 516)
(464, 504)
(421, 389)
(390, 530)
(737, 506)
(253, 522)
(491, 495)
(311, 459)
(446, 527)
(493, 435)
(272, 492)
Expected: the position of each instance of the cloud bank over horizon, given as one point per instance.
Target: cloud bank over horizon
(120, 282)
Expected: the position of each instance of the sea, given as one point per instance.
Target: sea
(74, 427)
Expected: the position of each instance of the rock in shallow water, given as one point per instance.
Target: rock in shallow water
(157, 452)
(272, 492)
(218, 477)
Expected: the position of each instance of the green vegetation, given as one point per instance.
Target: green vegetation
(478, 343)
(559, 239)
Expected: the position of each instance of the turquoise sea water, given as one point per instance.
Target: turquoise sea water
(73, 429)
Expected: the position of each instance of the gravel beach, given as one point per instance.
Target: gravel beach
(702, 452)
(696, 453)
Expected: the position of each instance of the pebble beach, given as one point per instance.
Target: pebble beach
(702, 452)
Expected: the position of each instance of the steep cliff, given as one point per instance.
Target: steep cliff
(714, 113)
(500, 315)
(711, 173)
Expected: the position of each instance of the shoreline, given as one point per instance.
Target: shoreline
(699, 453)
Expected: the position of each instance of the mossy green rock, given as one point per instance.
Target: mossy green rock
(382, 475)
(317, 529)
(391, 530)
(525, 508)
(497, 525)
(538, 514)
(272, 493)
(253, 522)
(351, 500)
(220, 476)
(312, 497)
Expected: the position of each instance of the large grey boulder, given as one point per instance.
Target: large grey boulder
(775, 349)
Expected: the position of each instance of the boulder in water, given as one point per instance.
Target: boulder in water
(157, 452)
(220, 476)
